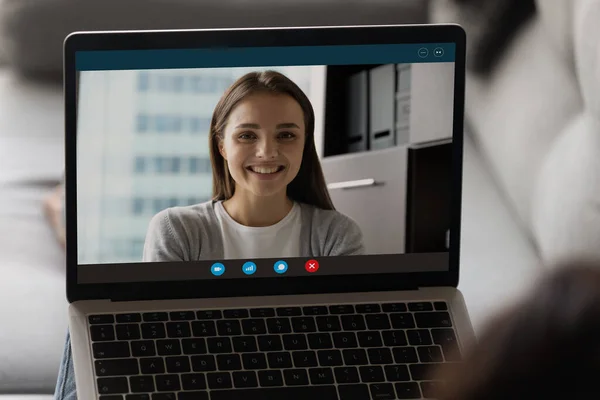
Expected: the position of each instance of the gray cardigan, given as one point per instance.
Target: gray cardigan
(193, 233)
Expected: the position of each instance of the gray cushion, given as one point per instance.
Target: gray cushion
(32, 31)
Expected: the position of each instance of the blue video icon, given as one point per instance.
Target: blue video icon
(217, 269)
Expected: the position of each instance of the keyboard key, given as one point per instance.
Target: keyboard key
(433, 320)
(219, 380)
(101, 319)
(295, 377)
(204, 328)
(119, 367)
(382, 391)
(341, 309)
(179, 329)
(304, 324)
(203, 363)
(305, 359)
(229, 327)
(245, 344)
(353, 322)
(254, 361)
(330, 358)
(279, 325)
(295, 342)
(346, 375)
(102, 333)
(270, 378)
(245, 379)
(270, 343)
(353, 392)
(329, 323)
(167, 383)
(317, 341)
(129, 318)
(428, 354)
(192, 396)
(431, 389)
(394, 338)
(169, 347)
(154, 331)
(447, 340)
(355, 357)
(279, 360)
(193, 382)
(236, 313)
(289, 311)
(209, 314)
(152, 365)
(143, 348)
(164, 396)
(219, 345)
(373, 373)
(420, 306)
(182, 316)
(421, 372)
(394, 307)
(177, 365)
(378, 321)
(405, 355)
(229, 362)
(369, 339)
(113, 397)
(287, 393)
(141, 384)
(112, 385)
(155, 316)
(419, 337)
(315, 310)
(343, 340)
(193, 346)
(409, 390)
(254, 327)
(111, 350)
(397, 373)
(321, 376)
(402, 321)
(368, 308)
(128, 332)
(440, 306)
(262, 312)
(379, 356)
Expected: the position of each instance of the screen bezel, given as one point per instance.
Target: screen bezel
(258, 37)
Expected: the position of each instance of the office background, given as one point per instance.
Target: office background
(143, 135)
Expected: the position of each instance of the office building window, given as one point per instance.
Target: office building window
(175, 164)
(199, 165)
(142, 123)
(199, 125)
(138, 206)
(143, 81)
(161, 123)
(140, 165)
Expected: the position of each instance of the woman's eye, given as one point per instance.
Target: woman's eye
(287, 135)
(246, 136)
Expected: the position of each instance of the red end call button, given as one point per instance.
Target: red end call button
(311, 266)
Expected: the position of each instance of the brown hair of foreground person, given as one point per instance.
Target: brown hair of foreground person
(547, 346)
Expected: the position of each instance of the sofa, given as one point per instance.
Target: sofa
(507, 237)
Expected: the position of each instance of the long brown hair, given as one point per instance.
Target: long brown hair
(309, 184)
(546, 346)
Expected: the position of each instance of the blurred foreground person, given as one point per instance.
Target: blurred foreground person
(547, 346)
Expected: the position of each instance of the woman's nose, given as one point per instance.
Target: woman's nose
(267, 149)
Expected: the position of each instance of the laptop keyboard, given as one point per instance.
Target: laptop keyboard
(348, 351)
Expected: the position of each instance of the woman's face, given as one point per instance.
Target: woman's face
(263, 143)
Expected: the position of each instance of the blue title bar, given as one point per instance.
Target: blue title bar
(264, 56)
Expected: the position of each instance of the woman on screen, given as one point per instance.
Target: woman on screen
(270, 199)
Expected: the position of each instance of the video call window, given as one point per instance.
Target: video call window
(381, 139)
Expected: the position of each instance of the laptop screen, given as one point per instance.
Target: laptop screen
(264, 162)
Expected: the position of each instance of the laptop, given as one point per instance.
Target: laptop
(264, 213)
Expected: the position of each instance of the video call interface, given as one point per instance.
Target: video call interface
(214, 164)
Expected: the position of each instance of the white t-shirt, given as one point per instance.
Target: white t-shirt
(281, 240)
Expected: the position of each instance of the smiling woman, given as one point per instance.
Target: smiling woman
(269, 193)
